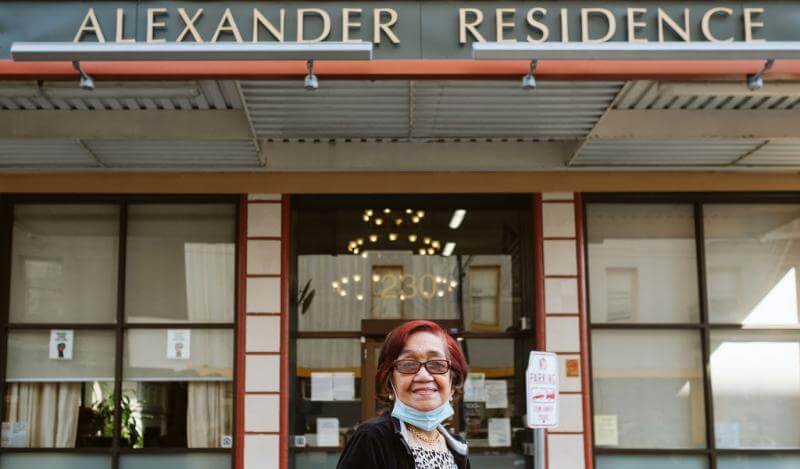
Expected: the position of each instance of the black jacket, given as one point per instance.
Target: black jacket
(379, 443)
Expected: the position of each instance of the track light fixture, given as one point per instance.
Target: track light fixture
(529, 81)
(756, 81)
(86, 82)
(311, 82)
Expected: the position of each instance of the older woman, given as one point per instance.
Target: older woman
(421, 370)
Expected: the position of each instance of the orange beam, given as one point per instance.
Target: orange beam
(398, 69)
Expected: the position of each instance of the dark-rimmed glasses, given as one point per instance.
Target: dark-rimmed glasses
(411, 367)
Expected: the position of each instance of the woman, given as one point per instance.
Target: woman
(421, 369)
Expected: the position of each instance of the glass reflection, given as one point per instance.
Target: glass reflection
(756, 385)
(752, 257)
(642, 263)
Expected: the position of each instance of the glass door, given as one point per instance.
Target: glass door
(363, 265)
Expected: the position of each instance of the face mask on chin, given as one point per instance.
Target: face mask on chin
(425, 420)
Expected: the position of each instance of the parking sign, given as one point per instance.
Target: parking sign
(541, 390)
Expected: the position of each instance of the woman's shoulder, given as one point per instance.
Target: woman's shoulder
(381, 426)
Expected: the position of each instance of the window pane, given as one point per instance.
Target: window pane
(178, 355)
(752, 257)
(180, 263)
(642, 263)
(177, 414)
(55, 461)
(64, 263)
(176, 461)
(648, 389)
(651, 462)
(756, 385)
(29, 357)
(758, 462)
(319, 361)
(178, 386)
(379, 259)
(59, 415)
(490, 392)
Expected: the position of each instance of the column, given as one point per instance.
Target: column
(562, 316)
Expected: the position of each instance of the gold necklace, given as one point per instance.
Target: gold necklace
(423, 437)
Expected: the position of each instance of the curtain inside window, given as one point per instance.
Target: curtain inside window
(50, 411)
(208, 416)
(209, 294)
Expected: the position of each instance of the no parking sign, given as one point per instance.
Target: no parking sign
(541, 390)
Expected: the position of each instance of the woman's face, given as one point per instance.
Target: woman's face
(423, 391)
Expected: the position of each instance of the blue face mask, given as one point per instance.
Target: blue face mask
(424, 420)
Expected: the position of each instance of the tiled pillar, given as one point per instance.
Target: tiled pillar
(562, 316)
(261, 404)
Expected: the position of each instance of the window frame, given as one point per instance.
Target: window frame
(120, 326)
(704, 327)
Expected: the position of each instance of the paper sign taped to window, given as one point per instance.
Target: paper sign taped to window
(321, 386)
(344, 386)
(496, 394)
(61, 344)
(327, 431)
(179, 344)
(474, 387)
(14, 435)
(606, 430)
(499, 432)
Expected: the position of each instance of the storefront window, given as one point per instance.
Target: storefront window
(171, 385)
(651, 399)
(642, 263)
(752, 262)
(720, 375)
(366, 264)
(755, 377)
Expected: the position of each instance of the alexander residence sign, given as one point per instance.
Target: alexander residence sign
(398, 29)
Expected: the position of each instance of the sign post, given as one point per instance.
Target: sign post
(541, 395)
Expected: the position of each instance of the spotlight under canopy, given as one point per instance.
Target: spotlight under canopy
(220, 51)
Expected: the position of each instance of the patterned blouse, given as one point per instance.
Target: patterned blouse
(425, 458)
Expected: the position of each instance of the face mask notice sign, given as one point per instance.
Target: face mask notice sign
(541, 390)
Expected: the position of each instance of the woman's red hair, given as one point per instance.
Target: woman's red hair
(395, 343)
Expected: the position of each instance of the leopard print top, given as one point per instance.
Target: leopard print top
(425, 458)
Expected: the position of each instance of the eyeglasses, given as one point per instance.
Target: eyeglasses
(411, 367)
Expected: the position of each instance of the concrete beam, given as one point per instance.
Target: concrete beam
(413, 156)
(691, 125)
(125, 125)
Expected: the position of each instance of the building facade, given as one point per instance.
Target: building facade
(201, 257)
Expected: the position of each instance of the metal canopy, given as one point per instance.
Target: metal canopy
(85, 52)
(789, 50)
(429, 125)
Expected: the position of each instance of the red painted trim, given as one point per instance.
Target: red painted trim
(241, 332)
(568, 353)
(263, 314)
(584, 331)
(398, 69)
(558, 238)
(264, 353)
(286, 252)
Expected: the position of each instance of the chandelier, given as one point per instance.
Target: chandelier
(401, 229)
